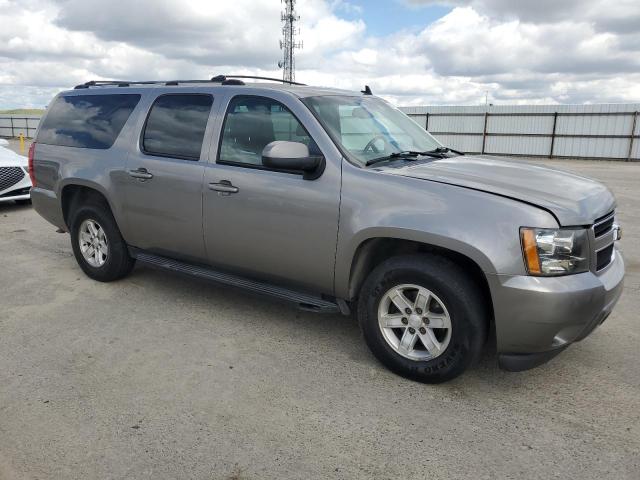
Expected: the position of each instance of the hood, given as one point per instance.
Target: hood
(571, 198)
(10, 159)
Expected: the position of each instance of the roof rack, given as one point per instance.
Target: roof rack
(222, 79)
(127, 83)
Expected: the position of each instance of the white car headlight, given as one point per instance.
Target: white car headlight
(550, 252)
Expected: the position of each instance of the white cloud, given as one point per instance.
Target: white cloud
(532, 52)
(467, 43)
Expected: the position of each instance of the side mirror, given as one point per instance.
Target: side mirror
(292, 156)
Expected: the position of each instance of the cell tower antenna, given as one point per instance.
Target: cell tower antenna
(288, 43)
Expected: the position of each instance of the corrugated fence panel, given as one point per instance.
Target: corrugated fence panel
(464, 143)
(534, 146)
(533, 124)
(635, 152)
(591, 147)
(576, 131)
(456, 124)
(420, 120)
(594, 125)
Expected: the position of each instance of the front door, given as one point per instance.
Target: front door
(163, 197)
(270, 224)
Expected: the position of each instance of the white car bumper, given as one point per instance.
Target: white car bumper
(15, 184)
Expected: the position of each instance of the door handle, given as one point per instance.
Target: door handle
(141, 173)
(223, 186)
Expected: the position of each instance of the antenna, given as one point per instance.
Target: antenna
(288, 43)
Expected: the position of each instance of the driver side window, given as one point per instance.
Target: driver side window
(252, 123)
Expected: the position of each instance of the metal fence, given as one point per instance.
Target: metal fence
(605, 131)
(12, 125)
(552, 131)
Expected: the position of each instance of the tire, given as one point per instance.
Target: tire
(114, 263)
(454, 300)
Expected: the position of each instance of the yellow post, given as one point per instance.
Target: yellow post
(21, 143)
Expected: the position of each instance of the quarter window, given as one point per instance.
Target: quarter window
(86, 121)
(252, 123)
(176, 125)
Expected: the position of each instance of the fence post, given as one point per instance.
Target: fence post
(426, 123)
(12, 132)
(484, 132)
(633, 133)
(553, 133)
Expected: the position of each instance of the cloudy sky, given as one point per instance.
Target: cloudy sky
(412, 52)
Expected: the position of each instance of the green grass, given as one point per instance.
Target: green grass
(23, 111)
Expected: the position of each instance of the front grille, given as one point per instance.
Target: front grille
(9, 176)
(603, 257)
(603, 224)
(15, 193)
(604, 238)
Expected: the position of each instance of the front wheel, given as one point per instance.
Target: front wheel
(423, 317)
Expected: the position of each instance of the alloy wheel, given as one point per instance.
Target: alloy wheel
(93, 242)
(414, 322)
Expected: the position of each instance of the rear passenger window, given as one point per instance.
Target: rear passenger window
(86, 121)
(176, 124)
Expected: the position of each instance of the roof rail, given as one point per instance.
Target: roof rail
(222, 79)
(127, 83)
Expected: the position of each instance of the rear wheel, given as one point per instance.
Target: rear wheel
(423, 317)
(98, 245)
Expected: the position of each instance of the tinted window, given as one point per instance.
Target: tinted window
(176, 125)
(252, 123)
(86, 121)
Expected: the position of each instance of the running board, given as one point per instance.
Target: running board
(303, 300)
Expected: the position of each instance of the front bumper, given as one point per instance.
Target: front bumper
(11, 197)
(18, 191)
(538, 317)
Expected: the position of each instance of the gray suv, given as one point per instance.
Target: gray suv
(335, 201)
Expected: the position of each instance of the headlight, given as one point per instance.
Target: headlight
(549, 252)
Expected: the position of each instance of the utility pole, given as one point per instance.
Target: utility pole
(288, 44)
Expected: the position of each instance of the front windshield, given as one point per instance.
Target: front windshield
(368, 127)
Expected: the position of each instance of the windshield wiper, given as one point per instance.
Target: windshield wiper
(443, 150)
(406, 154)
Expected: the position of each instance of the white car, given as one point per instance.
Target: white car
(15, 183)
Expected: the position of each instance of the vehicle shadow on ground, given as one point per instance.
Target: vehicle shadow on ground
(6, 207)
(343, 331)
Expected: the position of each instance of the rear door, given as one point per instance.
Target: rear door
(164, 190)
(271, 224)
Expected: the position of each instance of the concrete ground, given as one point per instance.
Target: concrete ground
(161, 376)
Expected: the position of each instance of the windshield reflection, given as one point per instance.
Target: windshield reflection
(368, 127)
